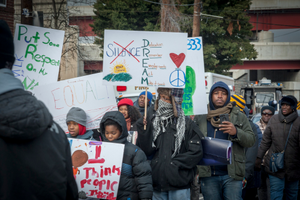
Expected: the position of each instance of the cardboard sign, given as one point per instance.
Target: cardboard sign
(194, 98)
(140, 58)
(97, 167)
(37, 52)
(86, 92)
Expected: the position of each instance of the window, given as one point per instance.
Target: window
(2, 3)
(264, 97)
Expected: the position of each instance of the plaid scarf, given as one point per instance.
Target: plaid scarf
(164, 115)
(177, 94)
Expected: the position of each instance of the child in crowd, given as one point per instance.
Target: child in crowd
(76, 121)
(136, 178)
(130, 113)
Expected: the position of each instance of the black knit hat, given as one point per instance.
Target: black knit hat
(271, 108)
(290, 100)
(7, 44)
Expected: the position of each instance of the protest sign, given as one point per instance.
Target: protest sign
(86, 92)
(194, 98)
(141, 58)
(97, 167)
(37, 52)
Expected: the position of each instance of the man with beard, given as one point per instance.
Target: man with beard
(224, 181)
(140, 102)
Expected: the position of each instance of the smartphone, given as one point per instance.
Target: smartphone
(224, 117)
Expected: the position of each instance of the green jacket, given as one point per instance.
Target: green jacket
(245, 138)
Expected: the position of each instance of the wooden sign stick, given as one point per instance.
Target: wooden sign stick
(146, 105)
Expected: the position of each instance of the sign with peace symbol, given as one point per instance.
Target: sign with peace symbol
(177, 77)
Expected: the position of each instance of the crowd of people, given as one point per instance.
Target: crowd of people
(163, 165)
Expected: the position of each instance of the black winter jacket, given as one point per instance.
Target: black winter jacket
(136, 179)
(251, 153)
(274, 139)
(35, 153)
(171, 173)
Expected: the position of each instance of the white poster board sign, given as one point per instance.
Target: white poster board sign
(37, 52)
(141, 58)
(97, 167)
(86, 92)
(194, 98)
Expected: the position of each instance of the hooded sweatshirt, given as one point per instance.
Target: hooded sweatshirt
(136, 178)
(141, 109)
(35, 159)
(215, 132)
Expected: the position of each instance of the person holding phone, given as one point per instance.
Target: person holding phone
(226, 180)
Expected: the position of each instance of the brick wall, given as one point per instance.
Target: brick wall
(7, 13)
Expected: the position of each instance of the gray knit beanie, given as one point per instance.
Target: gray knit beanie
(77, 115)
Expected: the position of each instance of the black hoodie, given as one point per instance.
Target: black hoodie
(35, 153)
(136, 178)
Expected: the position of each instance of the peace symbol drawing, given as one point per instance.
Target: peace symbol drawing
(177, 77)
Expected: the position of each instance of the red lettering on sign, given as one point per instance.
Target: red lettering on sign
(99, 183)
(112, 185)
(97, 155)
(85, 181)
(116, 169)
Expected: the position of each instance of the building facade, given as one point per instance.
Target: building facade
(7, 12)
(276, 38)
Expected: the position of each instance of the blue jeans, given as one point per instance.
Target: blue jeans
(277, 186)
(172, 195)
(221, 187)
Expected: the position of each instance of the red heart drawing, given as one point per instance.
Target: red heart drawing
(177, 59)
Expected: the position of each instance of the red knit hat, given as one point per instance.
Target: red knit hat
(125, 101)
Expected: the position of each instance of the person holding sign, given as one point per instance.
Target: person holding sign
(140, 103)
(136, 179)
(174, 142)
(35, 153)
(130, 113)
(76, 121)
(224, 121)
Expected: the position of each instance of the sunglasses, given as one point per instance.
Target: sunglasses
(267, 113)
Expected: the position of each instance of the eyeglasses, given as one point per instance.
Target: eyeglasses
(267, 113)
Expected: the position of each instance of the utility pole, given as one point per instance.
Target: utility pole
(164, 10)
(196, 19)
(27, 4)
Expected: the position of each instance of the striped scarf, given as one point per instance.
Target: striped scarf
(164, 115)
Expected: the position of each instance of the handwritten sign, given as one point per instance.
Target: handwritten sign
(97, 167)
(140, 58)
(194, 98)
(37, 52)
(86, 92)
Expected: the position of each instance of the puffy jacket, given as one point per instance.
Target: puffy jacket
(244, 138)
(136, 179)
(171, 173)
(274, 138)
(35, 153)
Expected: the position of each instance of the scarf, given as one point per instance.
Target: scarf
(164, 115)
(128, 123)
(82, 129)
(213, 115)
